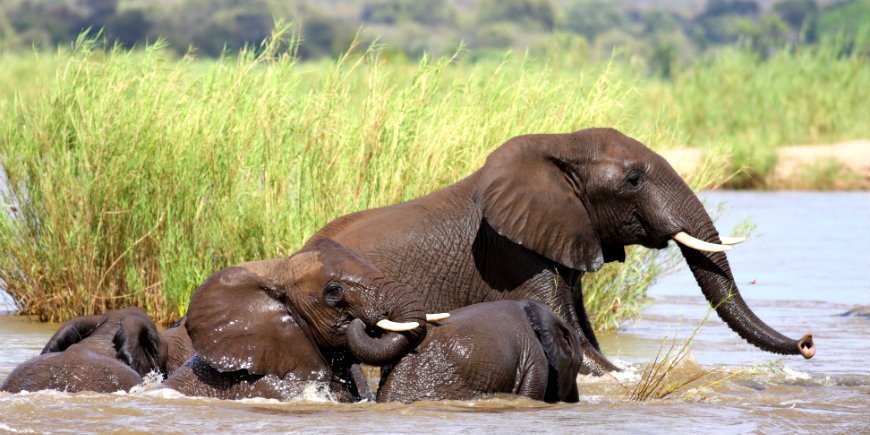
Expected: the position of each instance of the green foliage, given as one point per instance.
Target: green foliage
(765, 36)
(132, 177)
(722, 21)
(662, 37)
(591, 18)
(539, 14)
(796, 12)
(429, 12)
(848, 20)
(740, 103)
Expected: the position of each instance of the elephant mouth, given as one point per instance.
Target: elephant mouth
(384, 324)
(641, 233)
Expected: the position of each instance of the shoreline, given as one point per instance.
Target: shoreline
(842, 166)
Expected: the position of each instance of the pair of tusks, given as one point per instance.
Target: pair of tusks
(681, 237)
(701, 245)
(390, 325)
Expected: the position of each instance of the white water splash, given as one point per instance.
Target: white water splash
(791, 374)
(630, 373)
(161, 392)
(317, 392)
(6, 428)
(151, 380)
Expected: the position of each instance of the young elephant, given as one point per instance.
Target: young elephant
(517, 346)
(272, 328)
(179, 347)
(102, 353)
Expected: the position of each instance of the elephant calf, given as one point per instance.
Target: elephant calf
(179, 346)
(273, 328)
(517, 346)
(103, 353)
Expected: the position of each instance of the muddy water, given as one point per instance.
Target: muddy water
(808, 262)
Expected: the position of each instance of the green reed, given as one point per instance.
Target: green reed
(742, 104)
(133, 176)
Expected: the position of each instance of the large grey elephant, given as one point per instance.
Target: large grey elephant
(103, 353)
(273, 328)
(518, 347)
(544, 210)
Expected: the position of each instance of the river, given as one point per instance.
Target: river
(806, 264)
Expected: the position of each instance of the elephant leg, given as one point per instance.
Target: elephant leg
(594, 362)
(533, 383)
(362, 383)
(348, 373)
(582, 317)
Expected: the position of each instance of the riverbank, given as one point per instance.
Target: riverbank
(840, 166)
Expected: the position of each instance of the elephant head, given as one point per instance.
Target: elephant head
(279, 316)
(579, 198)
(102, 353)
(127, 334)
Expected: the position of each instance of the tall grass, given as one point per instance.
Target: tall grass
(746, 105)
(131, 176)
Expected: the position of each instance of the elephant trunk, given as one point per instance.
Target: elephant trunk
(389, 346)
(713, 274)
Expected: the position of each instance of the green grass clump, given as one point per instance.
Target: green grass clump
(132, 176)
(747, 106)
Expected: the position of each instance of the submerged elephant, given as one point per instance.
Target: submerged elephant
(273, 328)
(517, 347)
(544, 210)
(178, 345)
(103, 353)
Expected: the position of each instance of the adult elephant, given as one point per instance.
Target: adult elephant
(103, 353)
(518, 347)
(276, 327)
(544, 210)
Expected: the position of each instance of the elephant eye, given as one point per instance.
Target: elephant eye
(333, 293)
(633, 179)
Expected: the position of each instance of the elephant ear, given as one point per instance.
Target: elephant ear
(237, 322)
(528, 196)
(72, 332)
(562, 348)
(138, 343)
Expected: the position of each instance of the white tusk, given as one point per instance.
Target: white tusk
(732, 240)
(437, 317)
(390, 325)
(700, 245)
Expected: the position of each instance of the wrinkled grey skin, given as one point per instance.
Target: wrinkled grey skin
(544, 210)
(517, 347)
(273, 328)
(178, 345)
(101, 353)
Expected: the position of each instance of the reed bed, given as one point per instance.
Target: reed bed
(131, 176)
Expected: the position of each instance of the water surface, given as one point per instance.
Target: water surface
(807, 263)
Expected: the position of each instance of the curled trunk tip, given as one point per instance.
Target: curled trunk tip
(806, 347)
(376, 351)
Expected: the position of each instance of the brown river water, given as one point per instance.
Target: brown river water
(806, 264)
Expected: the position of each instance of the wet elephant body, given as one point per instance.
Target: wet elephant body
(515, 347)
(178, 345)
(102, 353)
(544, 210)
(273, 328)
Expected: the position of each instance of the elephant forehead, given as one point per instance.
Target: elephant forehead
(333, 260)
